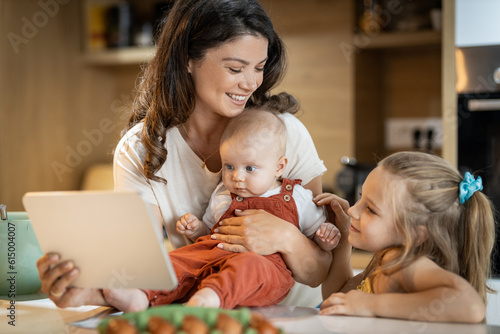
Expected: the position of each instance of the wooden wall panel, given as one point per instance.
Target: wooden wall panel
(449, 101)
(51, 103)
(412, 82)
(320, 74)
(393, 83)
(369, 116)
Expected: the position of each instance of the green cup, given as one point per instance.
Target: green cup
(19, 251)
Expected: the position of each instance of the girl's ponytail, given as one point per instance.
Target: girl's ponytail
(478, 237)
(458, 218)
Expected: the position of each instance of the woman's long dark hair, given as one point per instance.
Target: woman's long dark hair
(166, 93)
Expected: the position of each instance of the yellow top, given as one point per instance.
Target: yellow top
(365, 286)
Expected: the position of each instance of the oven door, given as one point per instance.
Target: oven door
(479, 148)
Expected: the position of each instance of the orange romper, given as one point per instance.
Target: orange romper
(240, 279)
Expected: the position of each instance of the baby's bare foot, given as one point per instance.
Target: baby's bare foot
(204, 297)
(126, 300)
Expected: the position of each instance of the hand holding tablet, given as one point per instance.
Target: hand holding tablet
(110, 236)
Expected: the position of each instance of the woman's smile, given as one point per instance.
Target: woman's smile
(238, 98)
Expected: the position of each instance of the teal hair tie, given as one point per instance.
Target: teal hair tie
(469, 186)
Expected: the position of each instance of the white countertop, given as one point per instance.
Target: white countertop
(42, 316)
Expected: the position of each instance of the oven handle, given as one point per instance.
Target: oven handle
(483, 105)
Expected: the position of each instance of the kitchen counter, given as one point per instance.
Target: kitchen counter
(42, 316)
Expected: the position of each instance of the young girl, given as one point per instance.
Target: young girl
(432, 232)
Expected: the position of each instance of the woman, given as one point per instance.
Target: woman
(214, 58)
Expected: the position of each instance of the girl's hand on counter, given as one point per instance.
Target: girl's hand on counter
(57, 277)
(354, 302)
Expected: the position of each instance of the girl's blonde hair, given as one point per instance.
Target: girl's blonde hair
(460, 236)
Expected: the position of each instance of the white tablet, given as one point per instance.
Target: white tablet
(110, 236)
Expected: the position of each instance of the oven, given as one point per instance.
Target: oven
(478, 91)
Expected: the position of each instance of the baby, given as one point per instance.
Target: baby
(253, 159)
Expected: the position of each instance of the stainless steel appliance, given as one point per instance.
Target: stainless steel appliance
(478, 89)
(477, 58)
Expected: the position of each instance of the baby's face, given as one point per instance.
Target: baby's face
(249, 168)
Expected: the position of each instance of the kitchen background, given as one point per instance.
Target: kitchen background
(372, 76)
(368, 74)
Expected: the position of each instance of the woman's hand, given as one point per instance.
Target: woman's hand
(263, 233)
(56, 280)
(252, 230)
(354, 302)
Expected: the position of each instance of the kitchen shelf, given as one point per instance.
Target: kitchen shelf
(398, 39)
(121, 56)
(397, 75)
(96, 47)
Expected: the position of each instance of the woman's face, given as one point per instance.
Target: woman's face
(228, 75)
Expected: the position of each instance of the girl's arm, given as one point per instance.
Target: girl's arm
(432, 294)
(263, 233)
(340, 269)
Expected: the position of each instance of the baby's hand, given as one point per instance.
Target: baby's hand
(188, 224)
(337, 211)
(327, 236)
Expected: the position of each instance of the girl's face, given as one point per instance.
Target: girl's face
(250, 169)
(373, 225)
(228, 75)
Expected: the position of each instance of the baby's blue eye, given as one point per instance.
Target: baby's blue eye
(250, 168)
(229, 167)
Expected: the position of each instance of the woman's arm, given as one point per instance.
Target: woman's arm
(261, 232)
(433, 294)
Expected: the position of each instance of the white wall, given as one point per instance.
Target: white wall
(493, 308)
(477, 22)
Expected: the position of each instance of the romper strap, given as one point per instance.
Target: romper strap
(287, 188)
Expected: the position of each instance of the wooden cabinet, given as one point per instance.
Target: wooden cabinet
(103, 19)
(397, 75)
(394, 81)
